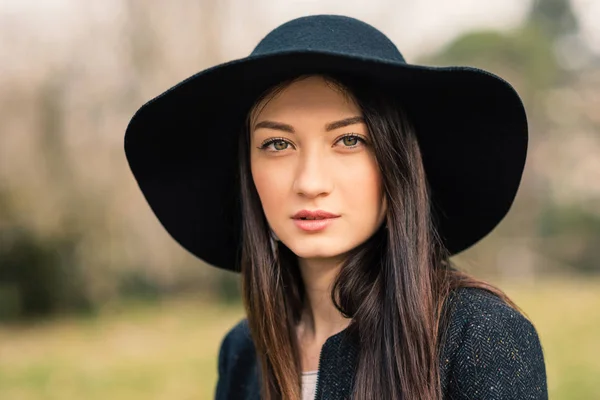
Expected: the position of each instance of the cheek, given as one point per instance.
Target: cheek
(363, 189)
(271, 185)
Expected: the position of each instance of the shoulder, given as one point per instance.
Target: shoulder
(472, 304)
(236, 340)
(490, 349)
(236, 363)
(476, 313)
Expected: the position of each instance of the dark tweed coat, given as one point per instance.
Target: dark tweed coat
(491, 352)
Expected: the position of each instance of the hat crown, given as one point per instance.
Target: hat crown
(331, 34)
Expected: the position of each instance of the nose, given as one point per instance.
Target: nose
(312, 176)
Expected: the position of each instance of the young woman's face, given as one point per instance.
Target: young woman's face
(311, 158)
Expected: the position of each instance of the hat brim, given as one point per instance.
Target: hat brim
(182, 145)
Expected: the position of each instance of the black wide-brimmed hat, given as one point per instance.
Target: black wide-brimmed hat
(471, 127)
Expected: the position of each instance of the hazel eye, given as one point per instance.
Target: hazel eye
(280, 145)
(275, 145)
(350, 140)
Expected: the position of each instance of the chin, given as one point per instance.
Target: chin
(318, 249)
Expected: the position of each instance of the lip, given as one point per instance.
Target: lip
(316, 214)
(319, 220)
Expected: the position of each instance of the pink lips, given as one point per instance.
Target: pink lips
(313, 221)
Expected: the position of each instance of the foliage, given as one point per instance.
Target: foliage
(39, 277)
(524, 57)
(571, 235)
(555, 17)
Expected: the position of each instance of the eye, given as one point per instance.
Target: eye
(280, 145)
(275, 144)
(351, 140)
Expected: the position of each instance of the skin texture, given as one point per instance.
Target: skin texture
(315, 168)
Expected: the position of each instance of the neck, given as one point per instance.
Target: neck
(320, 319)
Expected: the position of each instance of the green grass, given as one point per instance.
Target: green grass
(168, 350)
(165, 351)
(567, 316)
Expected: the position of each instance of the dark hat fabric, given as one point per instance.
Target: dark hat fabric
(182, 145)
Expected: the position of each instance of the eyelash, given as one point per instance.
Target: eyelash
(268, 142)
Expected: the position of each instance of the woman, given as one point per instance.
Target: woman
(339, 180)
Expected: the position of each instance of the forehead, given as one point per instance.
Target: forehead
(313, 95)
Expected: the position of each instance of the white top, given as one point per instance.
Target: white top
(309, 385)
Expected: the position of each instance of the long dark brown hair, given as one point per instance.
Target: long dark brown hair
(393, 286)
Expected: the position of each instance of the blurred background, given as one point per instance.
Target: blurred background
(97, 301)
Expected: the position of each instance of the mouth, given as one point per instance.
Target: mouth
(313, 221)
(306, 215)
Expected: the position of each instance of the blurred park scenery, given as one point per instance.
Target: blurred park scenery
(97, 301)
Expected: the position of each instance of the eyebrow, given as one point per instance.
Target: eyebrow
(328, 127)
(274, 125)
(344, 122)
